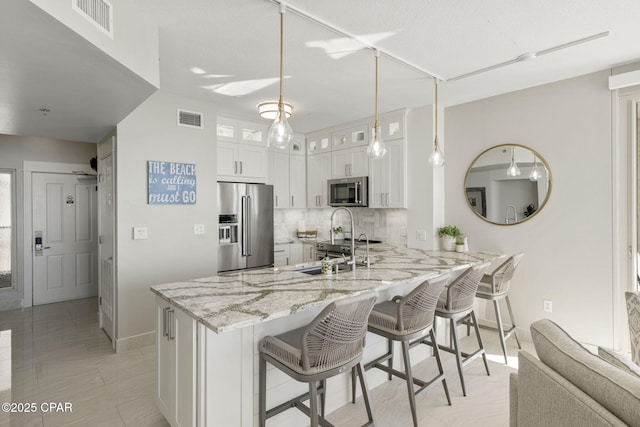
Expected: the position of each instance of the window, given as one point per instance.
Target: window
(7, 239)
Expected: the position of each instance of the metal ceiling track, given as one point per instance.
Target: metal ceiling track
(366, 45)
(522, 58)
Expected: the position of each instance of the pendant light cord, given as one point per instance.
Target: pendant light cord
(280, 102)
(436, 140)
(377, 55)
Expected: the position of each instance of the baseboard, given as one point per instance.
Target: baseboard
(12, 304)
(523, 334)
(137, 341)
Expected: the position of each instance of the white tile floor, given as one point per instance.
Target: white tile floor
(56, 353)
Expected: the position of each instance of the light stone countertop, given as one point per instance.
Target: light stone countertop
(235, 300)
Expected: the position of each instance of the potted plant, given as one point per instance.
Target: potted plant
(460, 243)
(449, 234)
(338, 232)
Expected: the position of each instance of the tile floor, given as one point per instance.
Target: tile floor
(56, 353)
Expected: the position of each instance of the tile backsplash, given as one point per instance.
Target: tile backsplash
(388, 225)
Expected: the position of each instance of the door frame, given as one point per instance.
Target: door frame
(29, 168)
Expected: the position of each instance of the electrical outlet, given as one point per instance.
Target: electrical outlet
(139, 233)
(421, 235)
(198, 228)
(547, 305)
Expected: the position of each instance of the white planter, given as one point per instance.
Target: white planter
(449, 243)
(459, 248)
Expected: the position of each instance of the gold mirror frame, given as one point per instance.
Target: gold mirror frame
(547, 177)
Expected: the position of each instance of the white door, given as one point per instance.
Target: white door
(64, 215)
(106, 267)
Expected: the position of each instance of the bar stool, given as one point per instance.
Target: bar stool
(331, 344)
(404, 319)
(495, 287)
(456, 304)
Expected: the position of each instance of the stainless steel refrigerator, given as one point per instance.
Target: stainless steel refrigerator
(245, 226)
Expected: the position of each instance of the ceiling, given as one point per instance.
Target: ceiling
(226, 52)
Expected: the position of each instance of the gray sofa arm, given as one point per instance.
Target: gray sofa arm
(545, 398)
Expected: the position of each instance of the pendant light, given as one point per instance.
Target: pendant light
(280, 133)
(436, 158)
(535, 174)
(513, 169)
(377, 148)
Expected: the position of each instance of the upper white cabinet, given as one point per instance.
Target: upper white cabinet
(388, 177)
(242, 151)
(350, 137)
(350, 162)
(288, 175)
(318, 172)
(392, 125)
(318, 142)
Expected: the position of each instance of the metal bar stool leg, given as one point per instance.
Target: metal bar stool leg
(454, 334)
(262, 393)
(407, 369)
(503, 342)
(323, 394)
(513, 322)
(436, 353)
(484, 354)
(313, 403)
(353, 385)
(365, 393)
(390, 351)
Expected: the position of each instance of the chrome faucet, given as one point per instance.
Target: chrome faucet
(366, 260)
(352, 261)
(508, 220)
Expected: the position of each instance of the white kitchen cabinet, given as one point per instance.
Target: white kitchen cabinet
(318, 143)
(281, 255)
(350, 137)
(308, 252)
(289, 181)
(350, 162)
(242, 151)
(176, 382)
(318, 172)
(296, 252)
(388, 177)
(392, 125)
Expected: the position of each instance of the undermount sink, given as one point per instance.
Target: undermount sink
(311, 270)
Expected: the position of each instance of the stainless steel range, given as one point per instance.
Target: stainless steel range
(339, 248)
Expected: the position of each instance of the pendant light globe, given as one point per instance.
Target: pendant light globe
(437, 158)
(535, 174)
(280, 134)
(513, 169)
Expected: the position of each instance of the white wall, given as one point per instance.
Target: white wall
(15, 150)
(568, 245)
(172, 252)
(135, 39)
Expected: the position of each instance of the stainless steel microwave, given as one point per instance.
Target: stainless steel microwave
(348, 191)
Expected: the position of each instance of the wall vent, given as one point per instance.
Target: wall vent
(98, 12)
(189, 119)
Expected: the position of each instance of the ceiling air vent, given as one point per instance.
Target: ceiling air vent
(98, 12)
(189, 119)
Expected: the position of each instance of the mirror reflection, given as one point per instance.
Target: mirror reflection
(508, 184)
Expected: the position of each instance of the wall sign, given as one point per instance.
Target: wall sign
(171, 183)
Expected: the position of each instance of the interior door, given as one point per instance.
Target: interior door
(106, 223)
(65, 244)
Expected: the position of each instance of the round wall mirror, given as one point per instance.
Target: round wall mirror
(508, 184)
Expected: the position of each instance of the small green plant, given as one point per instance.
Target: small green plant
(449, 230)
(337, 229)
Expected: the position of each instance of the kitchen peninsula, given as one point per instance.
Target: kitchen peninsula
(208, 330)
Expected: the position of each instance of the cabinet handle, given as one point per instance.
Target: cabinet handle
(292, 203)
(381, 199)
(235, 167)
(310, 252)
(164, 321)
(386, 199)
(281, 250)
(170, 335)
(287, 260)
(276, 201)
(320, 200)
(241, 167)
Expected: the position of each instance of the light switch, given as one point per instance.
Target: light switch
(139, 233)
(198, 228)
